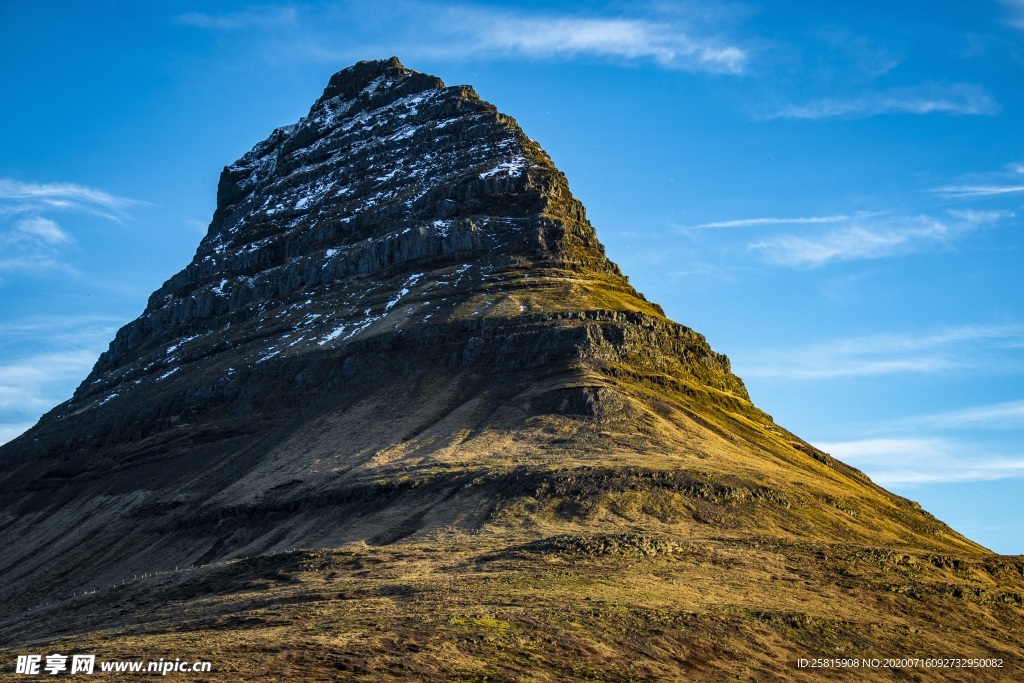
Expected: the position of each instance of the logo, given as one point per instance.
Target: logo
(32, 665)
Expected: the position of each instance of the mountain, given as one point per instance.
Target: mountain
(401, 414)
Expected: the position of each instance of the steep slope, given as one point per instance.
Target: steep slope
(401, 327)
(400, 288)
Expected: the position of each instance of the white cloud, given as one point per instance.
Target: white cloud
(963, 99)
(667, 37)
(909, 461)
(908, 451)
(35, 264)
(197, 226)
(543, 36)
(1016, 8)
(61, 330)
(34, 243)
(46, 357)
(10, 431)
(40, 231)
(18, 197)
(853, 57)
(870, 236)
(27, 384)
(22, 398)
(968, 191)
(251, 18)
(25, 375)
(1008, 415)
(847, 244)
(878, 450)
(959, 348)
(757, 222)
(998, 183)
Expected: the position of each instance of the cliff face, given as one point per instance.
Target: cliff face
(391, 174)
(396, 207)
(401, 321)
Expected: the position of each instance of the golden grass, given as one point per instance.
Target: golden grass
(458, 607)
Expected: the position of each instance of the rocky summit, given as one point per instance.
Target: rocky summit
(401, 419)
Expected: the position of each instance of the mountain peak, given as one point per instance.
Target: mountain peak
(391, 173)
(400, 288)
(375, 80)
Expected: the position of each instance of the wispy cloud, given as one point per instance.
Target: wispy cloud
(26, 384)
(967, 191)
(961, 99)
(974, 347)
(1009, 181)
(1007, 415)
(32, 242)
(197, 226)
(45, 358)
(11, 430)
(77, 330)
(1016, 12)
(920, 449)
(760, 222)
(872, 236)
(36, 230)
(849, 57)
(669, 39)
(18, 198)
(261, 17)
(543, 36)
(978, 420)
(910, 461)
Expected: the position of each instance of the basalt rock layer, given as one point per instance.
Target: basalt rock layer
(401, 326)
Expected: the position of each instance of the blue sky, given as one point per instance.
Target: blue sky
(832, 193)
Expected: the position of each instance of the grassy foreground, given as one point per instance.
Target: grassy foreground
(621, 607)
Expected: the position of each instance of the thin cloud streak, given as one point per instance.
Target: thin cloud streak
(756, 222)
(667, 45)
(47, 357)
(35, 244)
(20, 197)
(36, 264)
(958, 99)
(41, 368)
(984, 185)
(880, 238)
(252, 18)
(36, 230)
(75, 330)
(12, 430)
(33, 382)
(26, 384)
(967, 347)
(965, 191)
(1008, 415)
(1016, 8)
(21, 399)
(916, 461)
(669, 40)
